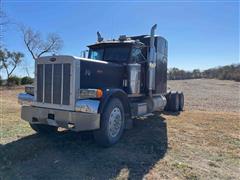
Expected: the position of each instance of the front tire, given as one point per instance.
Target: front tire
(112, 124)
(43, 129)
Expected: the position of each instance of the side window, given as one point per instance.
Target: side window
(96, 54)
(137, 55)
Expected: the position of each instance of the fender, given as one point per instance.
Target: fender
(118, 93)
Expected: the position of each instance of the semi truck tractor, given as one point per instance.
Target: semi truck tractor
(119, 80)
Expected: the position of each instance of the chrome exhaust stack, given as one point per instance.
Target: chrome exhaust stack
(152, 62)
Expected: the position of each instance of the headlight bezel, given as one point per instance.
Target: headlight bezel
(29, 89)
(90, 93)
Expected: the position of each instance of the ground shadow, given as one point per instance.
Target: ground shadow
(67, 156)
(171, 113)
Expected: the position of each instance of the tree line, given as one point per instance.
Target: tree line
(228, 72)
(16, 81)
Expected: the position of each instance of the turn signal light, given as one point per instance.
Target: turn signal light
(99, 93)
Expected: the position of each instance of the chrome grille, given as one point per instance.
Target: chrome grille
(57, 83)
(53, 83)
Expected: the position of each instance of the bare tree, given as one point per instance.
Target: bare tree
(10, 60)
(37, 46)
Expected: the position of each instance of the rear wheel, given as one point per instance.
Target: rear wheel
(181, 101)
(167, 107)
(44, 129)
(174, 101)
(112, 124)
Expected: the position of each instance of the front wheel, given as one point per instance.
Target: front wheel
(112, 124)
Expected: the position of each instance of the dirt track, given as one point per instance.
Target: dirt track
(191, 145)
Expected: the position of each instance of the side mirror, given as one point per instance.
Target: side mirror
(84, 54)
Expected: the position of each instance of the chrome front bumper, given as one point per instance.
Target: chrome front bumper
(76, 121)
(82, 105)
(85, 116)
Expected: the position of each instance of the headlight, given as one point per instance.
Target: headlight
(90, 93)
(29, 90)
(25, 99)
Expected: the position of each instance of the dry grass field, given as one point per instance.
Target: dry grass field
(209, 95)
(203, 142)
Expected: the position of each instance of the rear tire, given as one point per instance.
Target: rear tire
(43, 128)
(167, 107)
(112, 124)
(174, 101)
(181, 101)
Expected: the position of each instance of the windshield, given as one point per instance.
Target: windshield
(118, 54)
(112, 54)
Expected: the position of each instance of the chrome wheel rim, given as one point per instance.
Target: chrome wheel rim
(115, 122)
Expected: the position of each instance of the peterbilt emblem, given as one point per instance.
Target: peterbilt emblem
(87, 72)
(99, 71)
(53, 59)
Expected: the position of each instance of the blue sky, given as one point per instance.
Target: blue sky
(200, 34)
